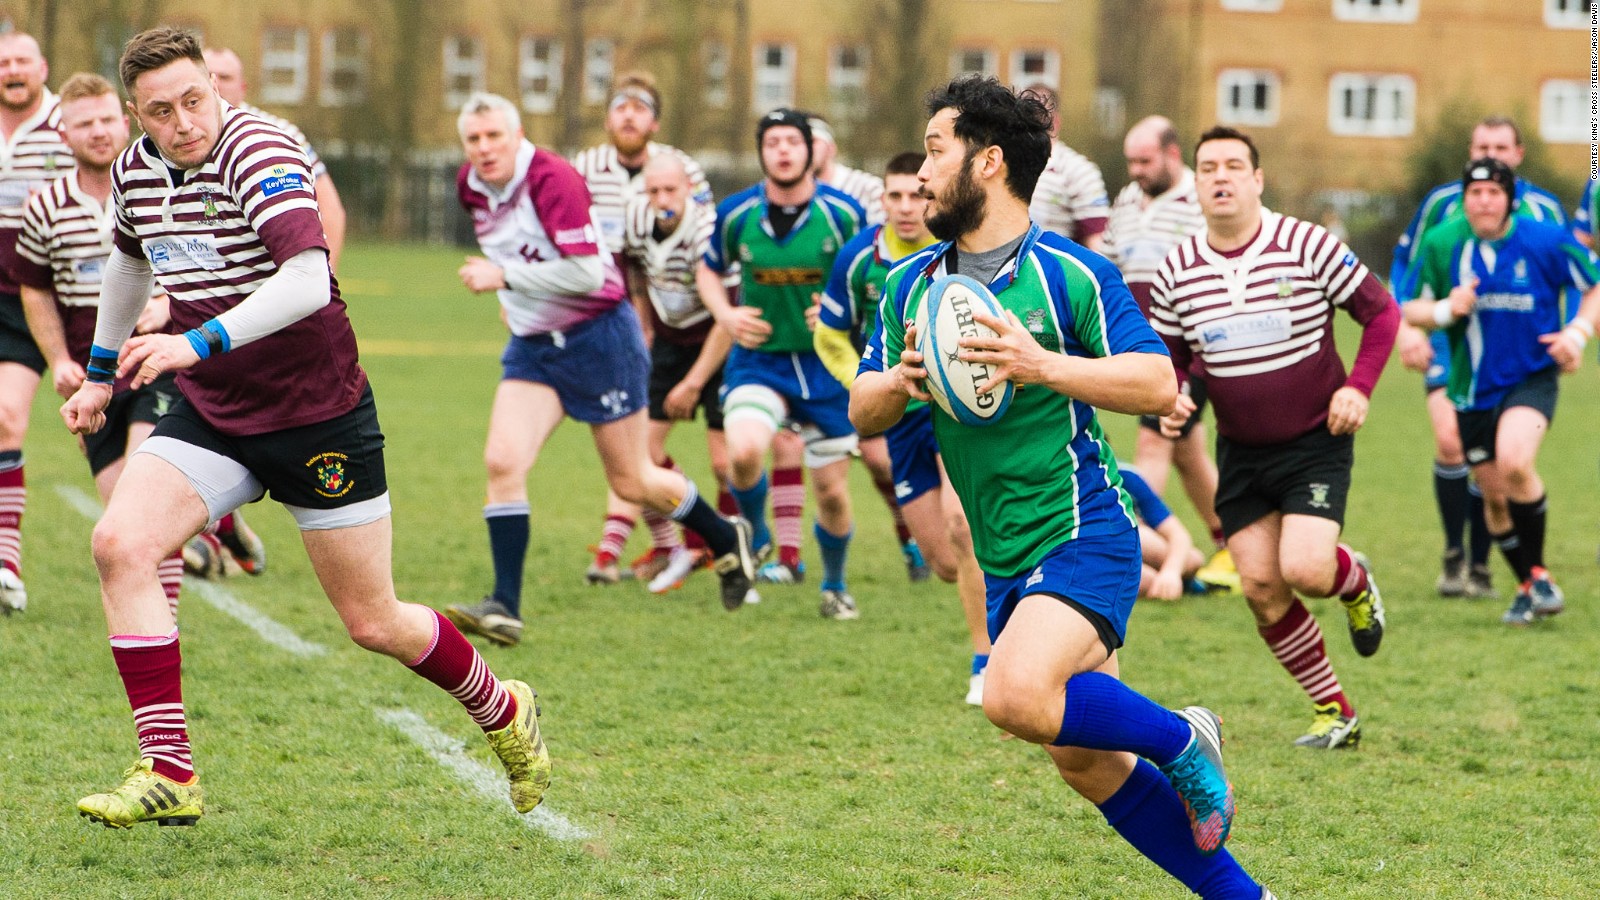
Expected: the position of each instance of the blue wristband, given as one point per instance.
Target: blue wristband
(102, 367)
(209, 339)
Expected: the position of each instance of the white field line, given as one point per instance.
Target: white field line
(489, 782)
(217, 596)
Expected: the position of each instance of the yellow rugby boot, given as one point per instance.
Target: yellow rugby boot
(145, 797)
(521, 750)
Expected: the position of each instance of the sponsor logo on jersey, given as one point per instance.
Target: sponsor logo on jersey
(328, 470)
(281, 179)
(584, 235)
(1504, 301)
(787, 277)
(1349, 261)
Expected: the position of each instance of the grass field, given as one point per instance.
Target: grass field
(771, 753)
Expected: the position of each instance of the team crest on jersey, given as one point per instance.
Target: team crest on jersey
(744, 253)
(209, 205)
(328, 469)
(1519, 273)
(1285, 287)
(280, 179)
(1035, 321)
(873, 293)
(828, 246)
(50, 163)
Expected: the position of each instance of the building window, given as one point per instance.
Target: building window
(344, 67)
(1564, 112)
(539, 73)
(1568, 13)
(714, 74)
(1110, 111)
(1372, 105)
(1253, 5)
(599, 63)
(847, 81)
(1034, 67)
(969, 60)
(463, 69)
(774, 81)
(285, 53)
(1247, 97)
(1376, 10)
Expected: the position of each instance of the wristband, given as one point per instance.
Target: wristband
(1583, 325)
(1576, 335)
(1442, 316)
(102, 367)
(209, 340)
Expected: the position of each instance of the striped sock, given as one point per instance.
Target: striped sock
(453, 664)
(171, 574)
(1349, 576)
(151, 667)
(1296, 641)
(788, 503)
(613, 537)
(13, 500)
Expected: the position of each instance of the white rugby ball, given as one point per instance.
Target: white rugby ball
(945, 317)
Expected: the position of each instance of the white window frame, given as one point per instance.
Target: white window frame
(329, 93)
(532, 67)
(599, 67)
(1110, 111)
(1050, 77)
(294, 60)
(772, 86)
(1564, 112)
(1385, 11)
(1260, 6)
(847, 85)
(714, 68)
(958, 61)
(1245, 81)
(471, 67)
(1565, 14)
(1393, 98)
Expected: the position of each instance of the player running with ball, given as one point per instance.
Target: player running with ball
(1052, 527)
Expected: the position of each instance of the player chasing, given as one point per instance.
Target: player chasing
(273, 401)
(1493, 281)
(1051, 524)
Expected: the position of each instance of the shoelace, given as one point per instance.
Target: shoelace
(1190, 768)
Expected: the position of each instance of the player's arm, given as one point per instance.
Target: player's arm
(685, 395)
(44, 321)
(1431, 280)
(637, 282)
(124, 290)
(1566, 346)
(331, 209)
(830, 337)
(1168, 584)
(880, 393)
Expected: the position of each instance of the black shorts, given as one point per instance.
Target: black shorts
(1309, 475)
(1197, 393)
(325, 465)
(16, 341)
(147, 404)
(1478, 427)
(669, 362)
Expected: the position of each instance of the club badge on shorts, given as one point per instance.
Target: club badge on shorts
(328, 468)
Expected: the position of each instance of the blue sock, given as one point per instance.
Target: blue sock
(753, 506)
(1104, 714)
(508, 544)
(698, 516)
(834, 550)
(1148, 814)
(980, 661)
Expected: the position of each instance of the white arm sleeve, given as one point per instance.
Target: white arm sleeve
(123, 294)
(299, 288)
(570, 276)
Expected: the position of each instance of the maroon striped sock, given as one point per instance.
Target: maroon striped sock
(13, 500)
(171, 574)
(1296, 641)
(455, 665)
(613, 537)
(788, 505)
(151, 667)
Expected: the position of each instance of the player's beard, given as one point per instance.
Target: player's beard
(961, 209)
(31, 98)
(1158, 184)
(786, 183)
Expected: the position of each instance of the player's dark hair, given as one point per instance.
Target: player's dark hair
(152, 49)
(1498, 121)
(907, 163)
(1224, 133)
(989, 114)
(1167, 138)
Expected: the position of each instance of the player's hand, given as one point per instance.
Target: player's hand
(1416, 351)
(1016, 356)
(146, 356)
(1165, 586)
(814, 312)
(67, 376)
(156, 315)
(1347, 411)
(1172, 423)
(481, 275)
(1463, 297)
(748, 328)
(682, 399)
(1563, 349)
(909, 373)
(85, 411)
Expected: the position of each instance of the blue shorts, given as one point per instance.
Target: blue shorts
(811, 394)
(600, 370)
(1438, 374)
(1097, 576)
(913, 455)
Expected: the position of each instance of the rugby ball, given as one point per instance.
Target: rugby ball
(945, 317)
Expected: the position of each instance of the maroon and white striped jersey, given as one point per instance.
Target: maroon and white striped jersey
(318, 168)
(865, 187)
(1143, 229)
(213, 234)
(1070, 198)
(669, 265)
(612, 185)
(1260, 319)
(30, 158)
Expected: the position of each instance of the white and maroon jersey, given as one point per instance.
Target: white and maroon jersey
(668, 264)
(1070, 198)
(542, 214)
(318, 169)
(1143, 229)
(30, 158)
(213, 234)
(1260, 320)
(865, 187)
(612, 185)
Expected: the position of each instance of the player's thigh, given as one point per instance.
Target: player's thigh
(1306, 548)
(1152, 456)
(1254, 549)
(925, 518)
(1518, 437)
(154, 506)
(832, 480)
(656, 434)
(1446, 433)
(18, 384)
(1043, 643)
(521, 419)
(624, 447)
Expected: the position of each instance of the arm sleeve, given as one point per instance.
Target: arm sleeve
(570, 275)
(299, 288)
(123, 294)
(1379, 316)
(837, 352)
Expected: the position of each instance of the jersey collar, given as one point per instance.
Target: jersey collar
(945, 254)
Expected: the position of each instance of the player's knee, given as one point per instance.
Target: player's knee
(629, 487)
(1308, 576)
(502, 465)
(116, 547)
(960, 533)
(1519, 475)
(371, 634)
(13, 425)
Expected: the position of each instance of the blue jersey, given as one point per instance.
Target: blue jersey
(1444, 201)
(1147, 505)
(855, 287)
(1583, 218)
(1521, 278)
